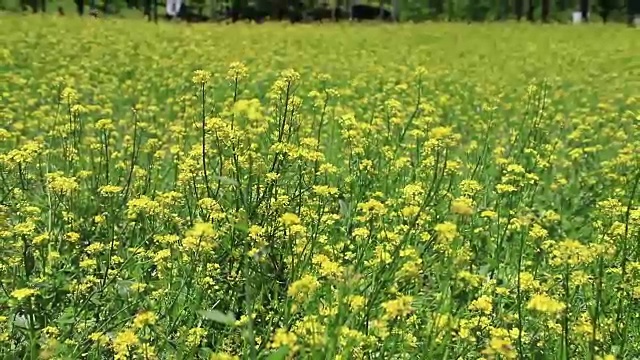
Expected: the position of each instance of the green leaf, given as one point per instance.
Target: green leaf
(279, 354)
(124, 287)
(67, 316)
(242, 223)
(344, 208)
(21, 321)
(218, 316)
(226, 180)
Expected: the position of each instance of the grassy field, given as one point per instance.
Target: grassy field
(344, 191)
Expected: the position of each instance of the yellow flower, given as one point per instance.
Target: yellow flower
(545, 304)
(290, 219)
(328, 268)
(483, 304)
(138, 287)
(142, 206)
(282, 337)
(440, 132)
(501, 346)
(606, 357)
(372, 207)
(356, 302)
(194, 337)
(489, 214)
(571, 252)
(88, 263)
(72, 237)
(470, 187)
(144, 318)
(446, 231)
(105, 125)
(410, 211)
(310, 330)
(51, 331)
(147, 352)
(99, 219)
(324, 190)
(124, 342)
(413, 193)
(223, 356)
(201, 77)
(289, 75)
(462, 206)
(505, 188)
(61, 185)
(304, 287)
(202, 230)
(109, 190)
(237, 71)
(24, 293)
(99, 338)
(400, 306)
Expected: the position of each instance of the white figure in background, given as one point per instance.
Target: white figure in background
(173, 7)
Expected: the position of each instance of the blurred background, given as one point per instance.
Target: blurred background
(562, 11)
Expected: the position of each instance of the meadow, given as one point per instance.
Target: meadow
(434, 191)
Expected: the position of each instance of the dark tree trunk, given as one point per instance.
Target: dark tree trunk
(43, 5)
(155, 10)
(605, 9)
(216, 12)
(584, 9)
(546, 8)
(530, 11)
(504, 11)
(562, 5)
(80, 7)
(519, 9)
(633, 8)
(439, 7)
(147, 9)
(34, 6)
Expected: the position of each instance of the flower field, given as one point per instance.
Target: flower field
(436, 191)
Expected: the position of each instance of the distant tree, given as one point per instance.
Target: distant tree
(503, 9)
(546, 9)
(435, 8)
(584, 9)
(519, 9)
(80, 7)
(531, 11)
(451, 10)
(395, 4)
(155, 10)
(606, 6)
(562, 5)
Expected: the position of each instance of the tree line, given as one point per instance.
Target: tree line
(531, 10)
(402, 10)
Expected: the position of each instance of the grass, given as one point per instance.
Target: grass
(342, 191)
